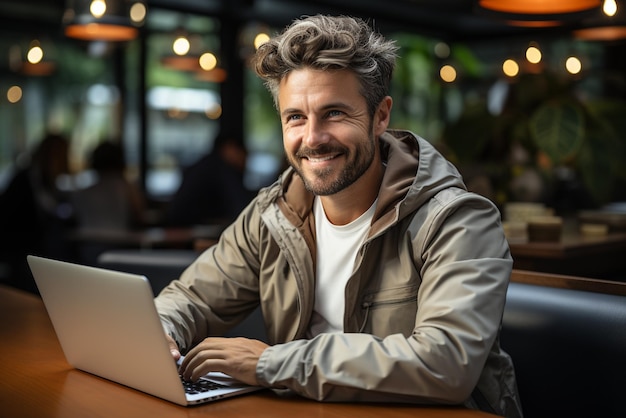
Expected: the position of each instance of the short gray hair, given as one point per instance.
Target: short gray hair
(330, 43)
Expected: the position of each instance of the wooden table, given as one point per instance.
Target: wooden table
(575, 254)
(37, 382)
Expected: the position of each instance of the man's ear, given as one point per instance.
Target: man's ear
(382, 116)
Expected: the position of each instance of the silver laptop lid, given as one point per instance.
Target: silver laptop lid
(107, 325)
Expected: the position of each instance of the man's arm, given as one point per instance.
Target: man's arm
(460, 301)
(217, 291)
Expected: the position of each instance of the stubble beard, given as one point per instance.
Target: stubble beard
(321, 182)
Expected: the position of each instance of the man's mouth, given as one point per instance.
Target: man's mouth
(319, 159)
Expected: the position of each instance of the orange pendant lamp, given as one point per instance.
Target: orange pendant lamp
(537, 13)
(539, 7)
(104, 20)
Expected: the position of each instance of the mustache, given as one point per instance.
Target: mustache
(306, 152)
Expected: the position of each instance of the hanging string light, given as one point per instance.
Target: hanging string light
(609, 7)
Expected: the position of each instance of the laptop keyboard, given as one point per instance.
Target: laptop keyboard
(201, 386)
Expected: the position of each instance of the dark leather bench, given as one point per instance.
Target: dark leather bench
(567, 338)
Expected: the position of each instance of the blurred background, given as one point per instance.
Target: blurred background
(529, 103)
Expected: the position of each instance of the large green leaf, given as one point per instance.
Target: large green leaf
(558, 129)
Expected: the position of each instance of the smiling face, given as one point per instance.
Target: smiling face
(329, 137)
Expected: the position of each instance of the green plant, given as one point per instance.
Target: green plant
(558, 129)
(554, 127)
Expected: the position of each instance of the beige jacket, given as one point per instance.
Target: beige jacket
(422, 308)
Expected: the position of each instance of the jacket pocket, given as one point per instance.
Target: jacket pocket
(390, 311)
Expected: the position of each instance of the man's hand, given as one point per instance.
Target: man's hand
(236, 357)
(173, 347)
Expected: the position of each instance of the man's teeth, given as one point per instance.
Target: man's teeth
(320, 159)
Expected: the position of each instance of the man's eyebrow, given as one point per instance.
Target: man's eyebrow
(334, 105)
(337, 105)
(290, 111)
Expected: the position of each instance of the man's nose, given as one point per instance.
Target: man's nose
(316, 133)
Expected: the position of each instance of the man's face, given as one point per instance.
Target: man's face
(328, 136)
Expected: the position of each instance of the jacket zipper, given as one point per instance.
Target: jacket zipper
(369, 305)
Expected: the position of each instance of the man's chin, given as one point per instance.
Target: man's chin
(324, 187)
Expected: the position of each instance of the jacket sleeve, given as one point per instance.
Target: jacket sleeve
(464, 263)
(218, 290)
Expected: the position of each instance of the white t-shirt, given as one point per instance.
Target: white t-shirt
(337, 246)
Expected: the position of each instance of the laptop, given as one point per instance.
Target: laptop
(108, 325)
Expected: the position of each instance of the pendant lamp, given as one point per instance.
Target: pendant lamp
(553, 11)
(104, 20)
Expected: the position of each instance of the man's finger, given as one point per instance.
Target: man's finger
(173, 347)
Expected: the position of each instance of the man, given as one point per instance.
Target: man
(379, 276)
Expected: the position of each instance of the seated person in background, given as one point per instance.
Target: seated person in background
(35, 216)
(212, 189)
(380, 277)
(111, 204)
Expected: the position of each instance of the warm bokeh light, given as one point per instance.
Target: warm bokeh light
(609, 7)
(181, 45)
(214, 111)
(207, 61)
(14, 94)
(447, 73)
(138, 12)
(260, 39)
(533, 55)
(573, 65)
(510, 68)
(35, 54)
(98, 8)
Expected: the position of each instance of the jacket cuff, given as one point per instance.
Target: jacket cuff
(262, 366)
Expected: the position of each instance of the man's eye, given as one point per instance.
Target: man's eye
(332, 113)
(293, 118)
